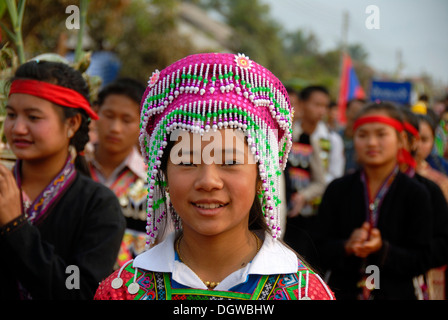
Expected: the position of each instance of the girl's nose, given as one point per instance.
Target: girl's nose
(208, 178)
(19, 126)
(371, 140)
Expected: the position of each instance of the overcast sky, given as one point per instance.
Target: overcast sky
(419, 28)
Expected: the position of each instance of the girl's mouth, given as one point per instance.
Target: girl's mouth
(21, 143)
(209, 205)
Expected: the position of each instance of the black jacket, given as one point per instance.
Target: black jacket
(83, 229)
(405, 225)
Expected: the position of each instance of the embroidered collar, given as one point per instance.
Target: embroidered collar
(136, 164)
(38, 209)
(273, 258)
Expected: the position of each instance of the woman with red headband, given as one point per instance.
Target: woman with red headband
(374, 222)
(59, 231)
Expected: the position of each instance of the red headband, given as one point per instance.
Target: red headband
(57, 94)
(381, 119)
(411, 129)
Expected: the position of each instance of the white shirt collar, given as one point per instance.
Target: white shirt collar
(273, 258)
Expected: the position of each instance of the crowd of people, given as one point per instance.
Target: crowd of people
(304, 213)
(355, 183)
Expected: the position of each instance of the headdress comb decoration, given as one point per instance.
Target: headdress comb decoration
(213, 91)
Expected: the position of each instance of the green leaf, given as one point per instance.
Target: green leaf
(12, 11)
(2, 8)
(22, 4)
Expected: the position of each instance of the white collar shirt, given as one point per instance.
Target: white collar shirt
(273, 258)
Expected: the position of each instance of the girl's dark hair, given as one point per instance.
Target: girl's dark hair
(306, 93)
(128, 87)
(412, 119)
(65, 76)
(430, 121)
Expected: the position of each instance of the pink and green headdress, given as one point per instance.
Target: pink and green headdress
(213, 91)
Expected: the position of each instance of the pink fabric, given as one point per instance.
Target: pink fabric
(229, 97)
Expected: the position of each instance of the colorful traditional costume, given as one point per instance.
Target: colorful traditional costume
(128, 182)
(274, 274)
(198, 94)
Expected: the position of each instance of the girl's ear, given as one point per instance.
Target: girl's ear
(259, 186)
(73, 123)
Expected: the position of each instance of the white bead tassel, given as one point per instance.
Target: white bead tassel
(274, 167)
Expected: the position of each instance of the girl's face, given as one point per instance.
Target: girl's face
(426, 141)
(34, 129)
(210, 194)
(376, 143)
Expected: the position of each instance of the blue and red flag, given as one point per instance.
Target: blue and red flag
(350, 88)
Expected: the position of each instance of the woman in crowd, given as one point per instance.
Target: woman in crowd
(373, 223)
(60, 231)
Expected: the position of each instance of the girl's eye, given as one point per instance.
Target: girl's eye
(108, 115)
(127, 120)
(231, 162)
(10, 115)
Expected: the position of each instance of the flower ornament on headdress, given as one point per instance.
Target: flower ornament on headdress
(154, 78)
(212, 91)
(242, 61)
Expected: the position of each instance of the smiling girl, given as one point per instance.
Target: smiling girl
(216, 132)
(52, 216)
(375, 216)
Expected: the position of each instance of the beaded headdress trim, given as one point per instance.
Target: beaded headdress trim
(206, 92)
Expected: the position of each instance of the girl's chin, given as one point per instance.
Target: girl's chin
(374, 162)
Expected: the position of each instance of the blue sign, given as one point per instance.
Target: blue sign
(398, 92)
